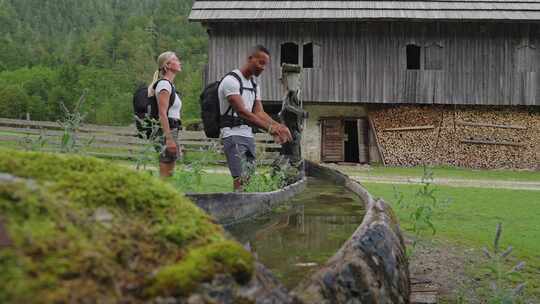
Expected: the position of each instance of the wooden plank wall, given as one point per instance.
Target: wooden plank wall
(481, 63)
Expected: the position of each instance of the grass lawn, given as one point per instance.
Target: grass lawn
(446, 172)
(9, 144)
(209, 182)
(185, 180)
(471, 218)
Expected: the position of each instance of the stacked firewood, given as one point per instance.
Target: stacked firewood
(502, 128)
(406, 147)
(477, 137)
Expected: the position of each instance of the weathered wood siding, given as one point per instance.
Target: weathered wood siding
(480, 63)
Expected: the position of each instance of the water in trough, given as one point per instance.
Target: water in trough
(298, 237)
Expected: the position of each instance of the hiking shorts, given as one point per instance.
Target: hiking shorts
(165, 156)
(240, 154)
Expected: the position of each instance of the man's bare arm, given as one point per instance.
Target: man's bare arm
(237, 104)
(262, 121)
(281, 133)
(258, 110)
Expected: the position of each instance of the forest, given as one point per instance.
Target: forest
(53, 52)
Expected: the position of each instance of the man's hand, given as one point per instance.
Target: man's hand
(281, 133)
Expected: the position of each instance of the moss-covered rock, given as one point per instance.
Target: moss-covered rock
(153, 240)
(200, 265)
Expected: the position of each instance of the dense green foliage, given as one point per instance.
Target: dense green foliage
(52, 51)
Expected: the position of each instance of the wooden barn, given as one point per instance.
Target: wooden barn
(400, 82)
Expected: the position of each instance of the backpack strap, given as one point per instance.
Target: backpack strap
(254, 89)
(172, 98)
(254, 84)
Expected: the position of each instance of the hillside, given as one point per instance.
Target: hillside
(53, 51)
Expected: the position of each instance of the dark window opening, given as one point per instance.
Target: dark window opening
(351, 141)
(413, 57)
(289, 53)
(308, 55)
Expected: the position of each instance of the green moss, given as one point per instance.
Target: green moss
(94, 183)
(202, 264)
(47, 166)
(44, 247)
(61, 251)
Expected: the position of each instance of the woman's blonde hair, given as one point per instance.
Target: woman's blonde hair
(162, 61)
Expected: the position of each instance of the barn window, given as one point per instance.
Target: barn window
(307, 59)
(413, 57)
(433, 57)
(311, 55)
(527, 58)
(289, 53)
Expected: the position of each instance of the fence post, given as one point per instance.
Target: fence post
(28, 120)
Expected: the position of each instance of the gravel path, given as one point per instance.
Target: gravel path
(451, 182)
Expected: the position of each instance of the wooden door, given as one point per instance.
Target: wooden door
(332, 140)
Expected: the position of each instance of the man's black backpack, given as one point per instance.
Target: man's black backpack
(210, 112)
(146, 111)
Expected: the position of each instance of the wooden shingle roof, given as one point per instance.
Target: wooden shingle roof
(248, 10)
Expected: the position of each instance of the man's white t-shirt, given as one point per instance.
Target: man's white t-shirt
(174, 110)
(230, 86)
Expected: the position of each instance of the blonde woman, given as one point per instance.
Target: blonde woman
(169, 107)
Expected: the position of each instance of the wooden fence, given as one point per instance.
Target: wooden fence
(112, 141)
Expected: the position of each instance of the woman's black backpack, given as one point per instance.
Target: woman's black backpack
(146, 111)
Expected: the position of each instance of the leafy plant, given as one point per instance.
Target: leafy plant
(29, 143)
(502, 276)
(188, 176)
(151, 143)
(422, 207)
(71, 123)
(264, 181)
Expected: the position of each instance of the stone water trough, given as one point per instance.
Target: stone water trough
(371, 267)
(230, 207)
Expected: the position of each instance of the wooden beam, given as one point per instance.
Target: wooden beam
(479, 124)
(423, 298)
(372, 129)
(423, 291)
(411, 128)
(489, 142)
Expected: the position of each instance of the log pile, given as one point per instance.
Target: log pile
(406, 147)
(476, 137)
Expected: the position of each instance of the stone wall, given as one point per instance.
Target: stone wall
(474, 137)
(311, 137)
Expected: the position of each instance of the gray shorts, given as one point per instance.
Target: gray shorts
(240, 154)
(164, 155)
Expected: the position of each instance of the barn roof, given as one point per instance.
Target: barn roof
(248, 10)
